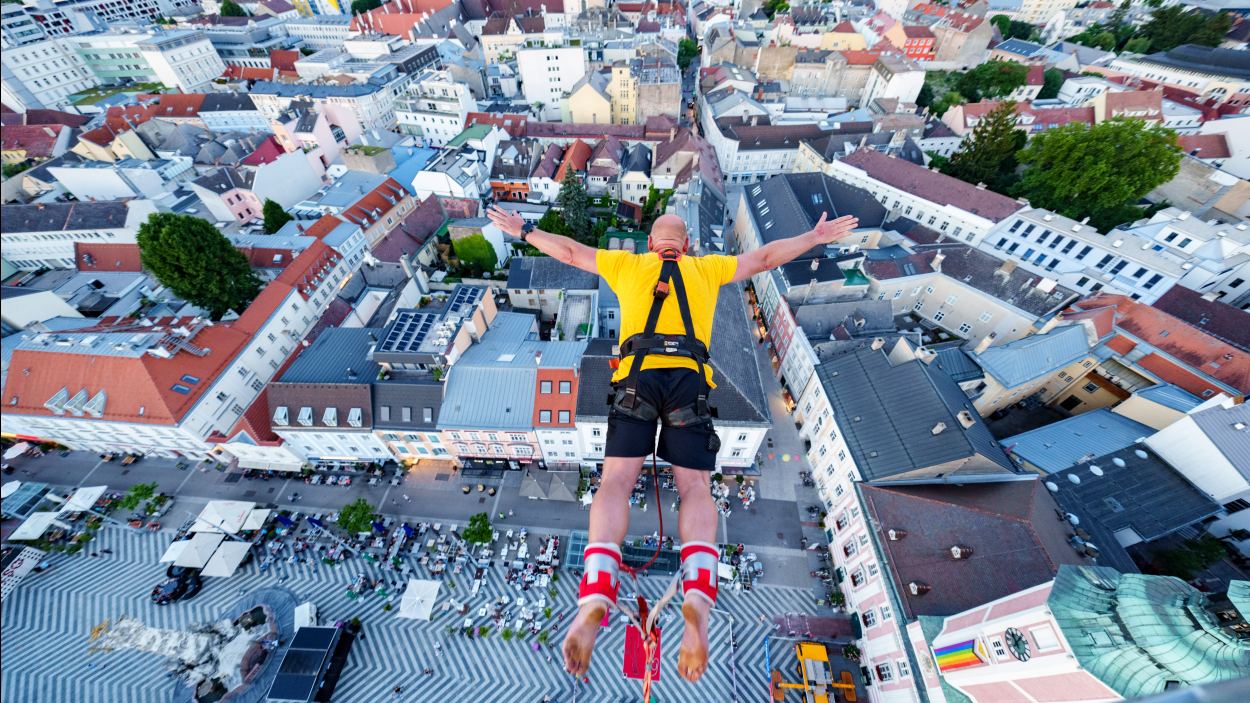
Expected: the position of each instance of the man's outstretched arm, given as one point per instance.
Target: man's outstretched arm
(561, 248)
(783, 251)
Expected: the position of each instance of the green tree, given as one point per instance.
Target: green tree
(1097, 171)
(136, 495)
(476, 253)
(11, 170)
(989, 154)
(1170, 27)
(772, 7)
(574, 206)
(1096, 37)
(360, 7)
(1052, 81)
(275, 216)
(356, 516)
(478, 530)
(230, 8)
(1138, 45)
(1013, 29)
(687, 49)
(992, 79)
(197, 263)
(553, 223)
(946, 102)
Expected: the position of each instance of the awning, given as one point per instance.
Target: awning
(195, 552)
(226, 560)
(35, 525)
(83, 499)
(418, 601)
(16, 450)
(262, 465)
(9, 488)
(256, 519)
(305, 615)
(223, 516)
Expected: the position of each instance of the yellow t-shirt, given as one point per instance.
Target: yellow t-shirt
(633, 276)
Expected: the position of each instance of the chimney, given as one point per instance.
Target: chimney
(980, 186)
(966, 419)
(672, 133)
(960, 552)
(938, 428)
(538, 358)
(896, 535)
(916, 588)
(1006, 269)
(877, 343)
(754, 120)
(936, 264)
(985, 343)
(815, 264)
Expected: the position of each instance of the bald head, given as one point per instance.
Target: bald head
(669, 231)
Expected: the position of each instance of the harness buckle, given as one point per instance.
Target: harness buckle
(661, 290)
(629, 398)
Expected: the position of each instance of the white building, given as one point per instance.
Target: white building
(43, 235)
(548, 74)
(893, 77)
(129, 178)
(323, 31)
(354, 107)
(434, 107)
(43, 74)
(181, 58)
(172, 388)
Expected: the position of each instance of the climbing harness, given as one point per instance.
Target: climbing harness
(625, 398)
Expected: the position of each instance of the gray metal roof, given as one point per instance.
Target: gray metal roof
(1070, 441)
(1171, 396)
(486, 397)
(339, 355)
(790, 204)
(62, 217)
(1229, 430)
(888, 414)
(415, 393)
(1132, 489)
(957, 364)
(860, 317)
(1032, 357)
(546, 273)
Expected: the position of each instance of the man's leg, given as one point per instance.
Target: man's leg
(609, 521)
(697, 525)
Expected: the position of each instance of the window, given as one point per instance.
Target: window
(1082, 281)
(742, 436)
(1090, 387)
(918, 306)
(903, 670)
(544, 387)
(564, 417)
(885, 672)
(869, 617)
(886, 613)
(850, 549)
(939, 315)
(384, 413)
(985, 317)
(544, 416)
(566, 387)
(996, 644)
(427, 414)
(406, 414)
(596, 432)
(950, 299)
(965, 328)
(858, 578)
(1236, 506)
(736, 453)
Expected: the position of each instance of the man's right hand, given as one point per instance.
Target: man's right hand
(509, 222)
(827, 231)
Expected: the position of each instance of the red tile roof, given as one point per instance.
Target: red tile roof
(1195, 352)
(268, 257)
(251, 73)
(307, 266)
(513, 124)
(861, 57)
(1119, 343)
(40, 116)
(178, 105)
(844, 27)
(118, 120)
(1216, 318)
(372, 206)
(1205, 146)
(397, 17)
(324, 226)
(268, 151)
(1102, 318)
(933, 186)
(1048, 117)
(91, 256)
(917, 31)
(283, 60)
(1037, 75)
(38, 141)
(575, 157)
(1133, 102)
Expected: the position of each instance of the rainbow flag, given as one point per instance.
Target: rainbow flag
(958, 656)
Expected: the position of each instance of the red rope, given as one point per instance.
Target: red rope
(655, 479)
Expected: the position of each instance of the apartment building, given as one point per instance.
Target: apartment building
(353, 107)
(166, 387)
(180, 58)
(43, 74)
(434, 107)
(43, 235)
(547, 75)
(321, 31)
(1208, 71)
(540, 283)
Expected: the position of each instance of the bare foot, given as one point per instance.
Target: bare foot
(692, 657)
(579, 643)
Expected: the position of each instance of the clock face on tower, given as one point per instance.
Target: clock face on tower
(1017, 644)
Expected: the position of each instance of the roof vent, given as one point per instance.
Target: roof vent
(1095, 470)
(917, 588)
(1118, 462)
(966, 419)
(1239, 426)
(896, 535)
(960, 552)
(1141, 454)
(938, 428)
(877, 343)
(1074, 479)
(1052, 486)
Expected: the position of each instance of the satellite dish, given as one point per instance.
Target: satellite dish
(1074, 479)
(1118, 462)
(1095, 470)
(1052, 486)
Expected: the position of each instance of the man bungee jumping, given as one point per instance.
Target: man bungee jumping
(668, 300)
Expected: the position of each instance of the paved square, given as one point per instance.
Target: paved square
(47, 622)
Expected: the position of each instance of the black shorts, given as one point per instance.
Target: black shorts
(665, 389)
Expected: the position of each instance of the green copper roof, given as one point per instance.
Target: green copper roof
(1137, 633)
(477, 131)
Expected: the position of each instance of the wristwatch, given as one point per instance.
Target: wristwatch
(526, 229)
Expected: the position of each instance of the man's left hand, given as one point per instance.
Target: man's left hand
(510, 222)
(828, 231)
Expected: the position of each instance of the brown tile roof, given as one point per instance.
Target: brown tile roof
(1133, 102)
(933, 186)
(513, 124)
(1204, 146)
(118, 120)
(1199, 350)
(962, 21)
(38, 141)
(584, 130)
(91, 256)
(397, 17)
(1037, 75)
(549, 163)
(844, 27)
(917, 31)
(531, 24)
(496, 24)
(1218, 319)
(178, 105)
(1010, 527)
(412, 233)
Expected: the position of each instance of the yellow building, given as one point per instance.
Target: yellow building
(623, 89)
(843, 37)
(589, 102)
